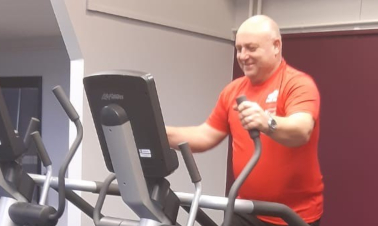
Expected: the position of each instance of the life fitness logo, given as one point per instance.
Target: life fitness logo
(111, 96)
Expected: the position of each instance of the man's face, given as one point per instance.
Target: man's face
(255, 54)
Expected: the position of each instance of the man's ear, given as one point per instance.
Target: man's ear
(277, 46)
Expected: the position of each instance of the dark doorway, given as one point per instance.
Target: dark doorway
(23, 97)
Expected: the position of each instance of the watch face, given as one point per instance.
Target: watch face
(272, 124)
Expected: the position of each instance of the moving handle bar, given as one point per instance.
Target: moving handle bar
(23, 213)
(260, 207)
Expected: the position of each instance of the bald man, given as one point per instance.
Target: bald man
(283, 104)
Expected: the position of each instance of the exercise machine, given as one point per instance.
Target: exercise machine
(15, 184)
(130, 127)
(127, 116)
(17, 187)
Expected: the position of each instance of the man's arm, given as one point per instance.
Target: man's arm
(200, 138)
(292, 131)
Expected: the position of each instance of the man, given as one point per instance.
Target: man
(283, 104)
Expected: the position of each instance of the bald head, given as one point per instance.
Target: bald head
(259, 47)
(261, 24)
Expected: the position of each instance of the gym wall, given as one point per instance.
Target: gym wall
(189, 69)
(291, 13)
(295, 16)
(343, 64)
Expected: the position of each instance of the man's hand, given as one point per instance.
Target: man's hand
(292, 131)
(252, 116)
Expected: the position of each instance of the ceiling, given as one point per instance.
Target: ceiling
(27, 19)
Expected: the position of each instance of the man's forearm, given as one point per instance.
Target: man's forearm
(200, 138)
(177, 135)
(292, 131)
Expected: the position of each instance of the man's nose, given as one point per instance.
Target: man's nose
(243, 55)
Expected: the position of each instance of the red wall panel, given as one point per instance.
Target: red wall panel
(345, 68)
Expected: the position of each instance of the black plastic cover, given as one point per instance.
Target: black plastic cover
(136, 93)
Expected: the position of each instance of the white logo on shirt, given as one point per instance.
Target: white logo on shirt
(272, 98)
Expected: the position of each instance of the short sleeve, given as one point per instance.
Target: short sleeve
(302, 96)
(218, 118)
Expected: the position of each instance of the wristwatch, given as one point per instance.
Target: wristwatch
(272, 124)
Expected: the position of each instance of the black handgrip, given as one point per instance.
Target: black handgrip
(189, 162)
(72, 114)
(32, 127)
(23, 213)
(41, 149)
(253, 133)
(66, 104)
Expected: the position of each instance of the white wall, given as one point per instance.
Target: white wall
(189, 69)
(46, 57)
(295, 16)
(212, 17)
(243, 9)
